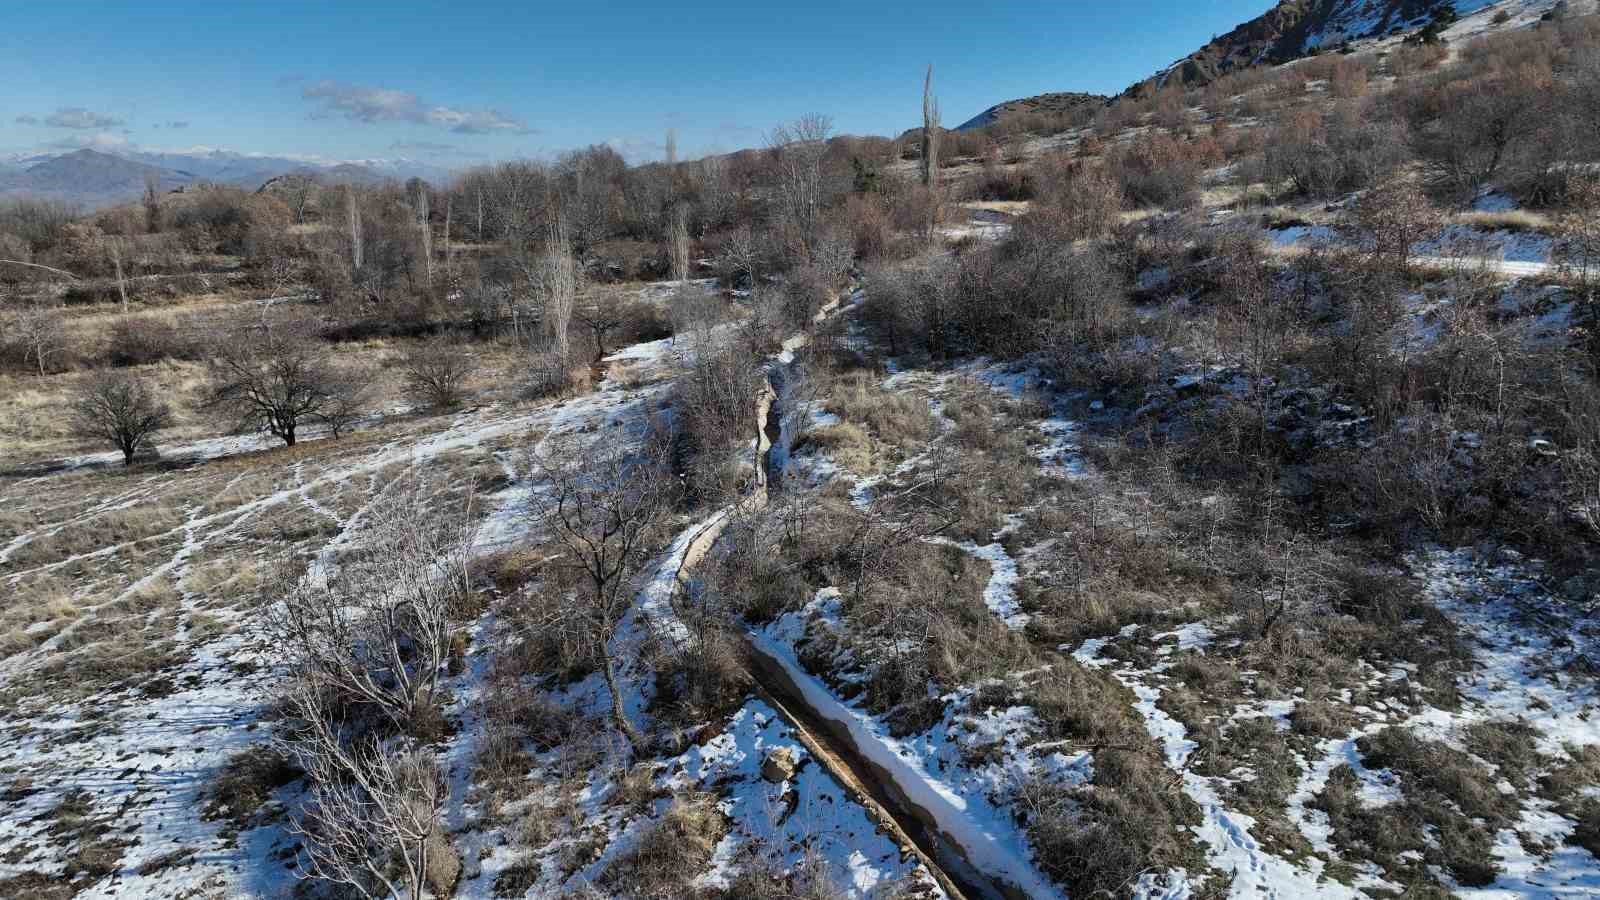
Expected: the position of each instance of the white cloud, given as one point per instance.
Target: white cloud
(636, 149)
(104, 140)
(360, 103)
(78, 117)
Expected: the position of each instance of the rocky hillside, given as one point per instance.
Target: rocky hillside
(1293, 28)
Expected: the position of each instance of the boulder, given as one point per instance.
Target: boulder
(779, 765)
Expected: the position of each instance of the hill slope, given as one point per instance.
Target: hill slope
(1044, 104)
(1288, 30)
(1293, 28)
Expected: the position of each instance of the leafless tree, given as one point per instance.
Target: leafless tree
(350, 397)
(39, 329)
(800, 148)
(449, 247)
(424, 228)
(1282, 577)
(352, 207)
(831, 255)
(297, 189)
(678, 243)
(436, 373)
(152, 202)
(1482, 125)
(930, 132)
(601, 319)
(120, 409)
(373, 633)
(274, 380)
(371, 820)
(695, 315)
(602, 504)
(1394, 217)
(114, 246)
(558, 287)
(741, 254)
(376, 630)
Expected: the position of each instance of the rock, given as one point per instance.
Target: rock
(779, 765)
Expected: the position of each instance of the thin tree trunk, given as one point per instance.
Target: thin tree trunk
(449, 251)
(116, 262)
(618, 711)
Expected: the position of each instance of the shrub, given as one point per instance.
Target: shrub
(672, 852)
(1158, 170)
(137, 341)
(1075, 202)
(435, 374)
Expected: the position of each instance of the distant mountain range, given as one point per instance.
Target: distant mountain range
(95, 178)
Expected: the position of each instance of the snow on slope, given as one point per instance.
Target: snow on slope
(929, 767)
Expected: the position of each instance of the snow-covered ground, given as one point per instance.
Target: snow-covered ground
(141, 755)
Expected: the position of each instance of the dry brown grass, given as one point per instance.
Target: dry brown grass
(849, 445)
(121, 526)
(899, 419)
(245, 782)
(672, 852)
(1507, 220)
(1449, 814)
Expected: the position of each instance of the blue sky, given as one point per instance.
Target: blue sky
(454, 83)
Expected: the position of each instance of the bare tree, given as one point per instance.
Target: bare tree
(449, 248)
(39, 329)
(1395, 216)
(800, 148)
(741, 254)
(695, 314)
(1482, 126)
(558, 285)
(349, 397)
(424, 228)
(114, 245)
(377, 630)
(275, 381)
(371, 820)
(1282, 578)
(678, 244)
(602, 504)
(373, 634)
(930, 132)
(120, 409)
(436, 373)
(601, 319)
(297, 189)
(352, 207)
(152, 202)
